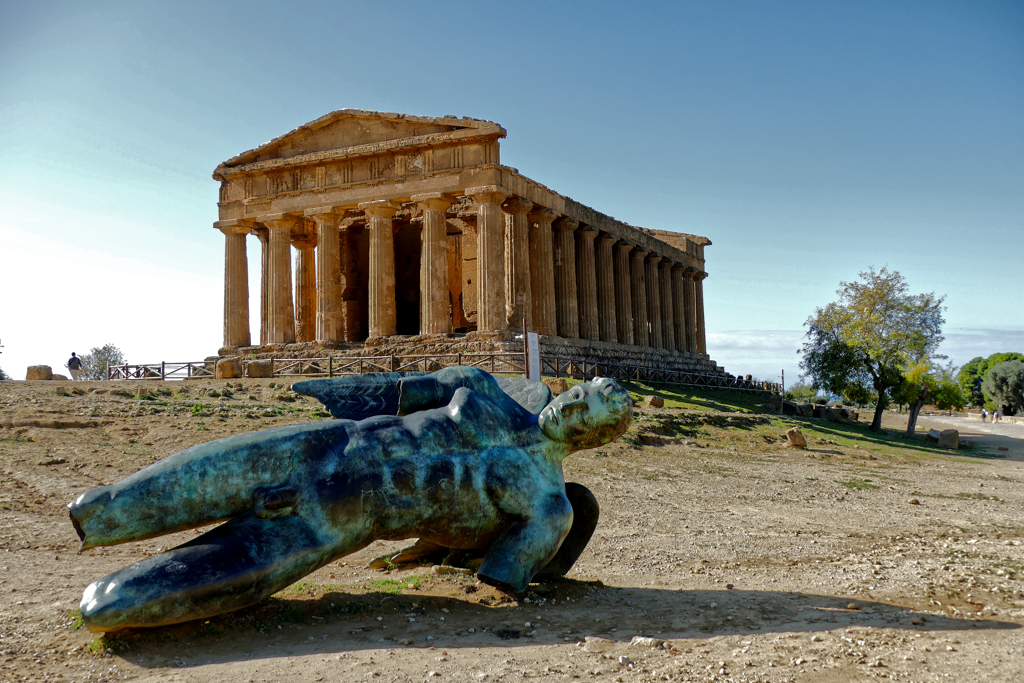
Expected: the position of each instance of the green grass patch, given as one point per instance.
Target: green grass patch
(74, 621)
(858, 484)
(698, 398)
(394, 586)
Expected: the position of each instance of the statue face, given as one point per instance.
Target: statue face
(588, 415)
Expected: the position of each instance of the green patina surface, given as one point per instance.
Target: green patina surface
(462, 466)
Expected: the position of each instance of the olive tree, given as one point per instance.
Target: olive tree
(1004, 384)
(973, 373)
(96, 362)
(871, 337)
(926, 382)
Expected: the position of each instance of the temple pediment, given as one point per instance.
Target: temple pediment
(355, 132)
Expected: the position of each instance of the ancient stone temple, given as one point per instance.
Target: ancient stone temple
(380, 228)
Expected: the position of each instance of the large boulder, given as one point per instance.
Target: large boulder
(39, 372)
(949, 438)
(260, 368)
(228, 368)
(654, 402)
(805, 410)
(795, 438)
(789, 408)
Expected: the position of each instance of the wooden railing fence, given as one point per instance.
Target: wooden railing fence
(498, 363)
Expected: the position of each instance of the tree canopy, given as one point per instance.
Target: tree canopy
(3, 375)
(1004, 384)
(96, 362)
(871, 337)
(972, 374)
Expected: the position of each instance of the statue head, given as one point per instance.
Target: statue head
(588, 415)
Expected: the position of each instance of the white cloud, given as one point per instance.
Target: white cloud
(763, 353)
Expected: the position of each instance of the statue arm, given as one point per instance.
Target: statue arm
(527, 546)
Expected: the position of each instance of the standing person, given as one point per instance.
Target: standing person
(983, 415)
(74, 364)
(997, 416)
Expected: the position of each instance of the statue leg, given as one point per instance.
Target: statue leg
(516, 556)
(420, 551)
(232, 566)
(585, 512)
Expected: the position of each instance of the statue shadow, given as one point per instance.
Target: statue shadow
(564, 612)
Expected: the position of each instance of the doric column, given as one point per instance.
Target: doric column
(668, 324)
(565, 278)
(654, 300)
(263, 235)
(490, 256)
(518, 296)
(691, 311)
(542, 271)
(382, 267)
(702, 342)
(305, 287)
(280, 310)
(623, 293)
(435, 306)
(236, 283)
(638, 283)
(679, 306)
(586, 283)
(606, 289)
(330, 321)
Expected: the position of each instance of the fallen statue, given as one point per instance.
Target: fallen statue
(449, 458)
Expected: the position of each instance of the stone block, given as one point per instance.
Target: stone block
(932, 437)
(949, 438)
(39, 372)
(795, 438)
(789, 408)
(260, 368)
(805, 410)
(228, 368)
(60, 377)
(654, 402)
(557, 385)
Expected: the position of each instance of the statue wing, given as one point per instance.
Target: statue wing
(357, 397)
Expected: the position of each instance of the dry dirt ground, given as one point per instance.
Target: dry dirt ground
(867, 556)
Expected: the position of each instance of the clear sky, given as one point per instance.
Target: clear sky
(807, 140)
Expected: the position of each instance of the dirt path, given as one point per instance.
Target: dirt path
(740, 560)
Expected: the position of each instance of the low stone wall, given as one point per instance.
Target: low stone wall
(579, 350)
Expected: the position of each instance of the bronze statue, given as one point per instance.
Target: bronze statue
(462, 465)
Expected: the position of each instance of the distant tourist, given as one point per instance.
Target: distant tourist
(983, 415)
(74, 364)
(997, 416)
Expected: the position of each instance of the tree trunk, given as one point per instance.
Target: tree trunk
(876, 421)
(915, 410)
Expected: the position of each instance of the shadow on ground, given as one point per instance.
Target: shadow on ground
(338, 621)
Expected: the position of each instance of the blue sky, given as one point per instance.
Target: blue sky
(807, 140)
